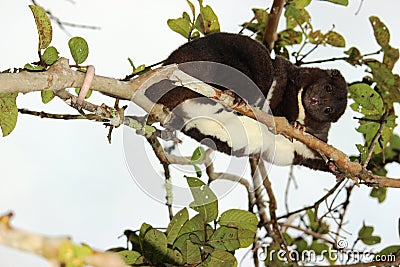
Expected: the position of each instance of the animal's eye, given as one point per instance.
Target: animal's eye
(328, 88)
(328, 110)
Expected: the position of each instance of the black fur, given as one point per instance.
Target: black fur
(324, 96)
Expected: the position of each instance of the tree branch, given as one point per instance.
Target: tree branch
(60, 76)
(270, 34)
(52, 248)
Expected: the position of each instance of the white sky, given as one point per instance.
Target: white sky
(63, 178)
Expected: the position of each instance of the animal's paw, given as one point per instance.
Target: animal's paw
(238, 102)
(299, 126)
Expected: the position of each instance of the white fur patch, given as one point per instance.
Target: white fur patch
(269, 96)
(302, 113)
(241, 133)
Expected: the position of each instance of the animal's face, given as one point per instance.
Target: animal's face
(326, 98)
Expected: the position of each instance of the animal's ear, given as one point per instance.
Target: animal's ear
(333, 73)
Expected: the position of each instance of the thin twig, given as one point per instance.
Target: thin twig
(376, 139)
(311, 233)
(160, 154)
(344, 211)
(291, 178)
(61, 24)
(336, 58)
(316, 204)
(46, 115)
(258, 191)
(272, 212)
(359, 7)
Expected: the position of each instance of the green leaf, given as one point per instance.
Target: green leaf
(47, 96)
(176, 224)
(391, 250)
(191, 253)
(29, 67)
(365, 235)
(174, 257)
(314, 225)
(335, 39)
(192, 8)
(194, 224)
(363, 152)
(301, 244)
(288, 239)
(319, 247)
(139, 69)
(246, 237)
(381, 32)
(387, 82)
(195, 34)
(155, 246)
(261, 15)
(339, 2)
(205, 201)
(225, 238)
(239, 219)
(198, 155)
(143, 230)
(207, 21)
(379, 193)
(43, 25)
(129, 256)
(79, 49)
(369, 128)
(50, 55)
(8, 112)
(186, 16)
(290, 37)
(199, 173)
(89, 93)
(181, 26)
(133, 238)
(220, 258)
(368, 101)
(295, 16)
(299, 4)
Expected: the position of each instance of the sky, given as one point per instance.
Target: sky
(63, 178)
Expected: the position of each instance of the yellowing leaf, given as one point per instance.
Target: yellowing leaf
(290, 37)
(335, 39)
(381, 32)
(43, 25)
(317, 37)
(207, 21)
(391, 56)
(8, 112)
